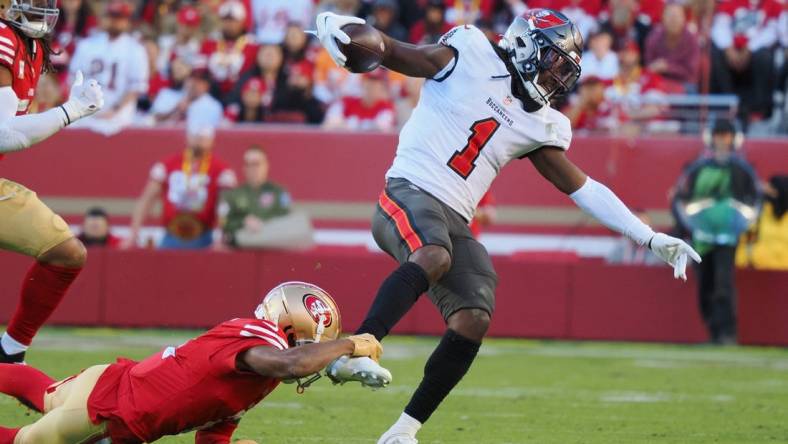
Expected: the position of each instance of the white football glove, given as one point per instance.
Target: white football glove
(85, 99)
(329, 30)
(673, 251)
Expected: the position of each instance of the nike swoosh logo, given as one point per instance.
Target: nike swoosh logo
(7, 196)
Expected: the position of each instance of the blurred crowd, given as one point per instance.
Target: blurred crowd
(250, 61)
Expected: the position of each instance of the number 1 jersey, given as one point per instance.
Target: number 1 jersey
(468, 125)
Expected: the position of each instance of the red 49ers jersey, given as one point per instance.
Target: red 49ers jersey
(24, 63)
(193, 386)
(191, 197)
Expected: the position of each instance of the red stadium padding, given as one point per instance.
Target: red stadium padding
(349, 167)
(583, 299)
(179, 289)
(641, 304)
(763, 307)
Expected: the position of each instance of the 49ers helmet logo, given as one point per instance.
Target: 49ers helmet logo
(316, 308)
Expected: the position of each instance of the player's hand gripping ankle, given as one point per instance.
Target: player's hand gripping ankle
(86, 98)
(366, 345)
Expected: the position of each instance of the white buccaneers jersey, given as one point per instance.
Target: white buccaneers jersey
(120, 65)
(467, 126)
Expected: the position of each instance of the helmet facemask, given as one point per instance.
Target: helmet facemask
(35, 18)
(545, 70)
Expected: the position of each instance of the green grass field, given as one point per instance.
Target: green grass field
(517, 392)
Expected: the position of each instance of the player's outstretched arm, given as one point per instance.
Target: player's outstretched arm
(412, 60)
(305, 360)
(20, 132)
(601, 203)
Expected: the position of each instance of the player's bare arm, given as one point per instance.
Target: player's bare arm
(415, 60)
(412, 60)
(305, 360)
(553, 165)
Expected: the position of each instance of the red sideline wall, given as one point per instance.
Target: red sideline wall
(349, 167)
(574, 300)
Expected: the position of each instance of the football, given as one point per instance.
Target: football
(365, 50)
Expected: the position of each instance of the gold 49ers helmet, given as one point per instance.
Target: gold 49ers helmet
(305, 312)
(35, 18)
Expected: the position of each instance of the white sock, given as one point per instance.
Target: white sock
(406, 424)
(11, 346)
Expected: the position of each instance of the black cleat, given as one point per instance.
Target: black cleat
(16, 358)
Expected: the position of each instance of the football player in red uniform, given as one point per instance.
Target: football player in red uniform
(28, 226)
(206, 384)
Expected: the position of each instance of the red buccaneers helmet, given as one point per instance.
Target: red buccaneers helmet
(35, 18)
(545, 47)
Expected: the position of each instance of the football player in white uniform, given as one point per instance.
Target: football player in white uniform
(481, 106)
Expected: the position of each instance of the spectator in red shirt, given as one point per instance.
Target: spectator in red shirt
(672, 51)
(95, 230)
(188, 184)
(744, 34)
(429, 29)
(588, 110)
(234, 52)
(373, 111)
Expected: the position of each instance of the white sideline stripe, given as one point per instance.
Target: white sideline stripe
(7, 50)
(7, 41)
(265, 338)
(7, 59)
(273, 334)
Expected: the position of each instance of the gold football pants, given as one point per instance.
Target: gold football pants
(28, 226)
(66, 419)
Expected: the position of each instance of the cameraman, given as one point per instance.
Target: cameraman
(716, 199)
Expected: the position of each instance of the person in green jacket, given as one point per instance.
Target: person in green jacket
(248, 206)
(716, 200)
